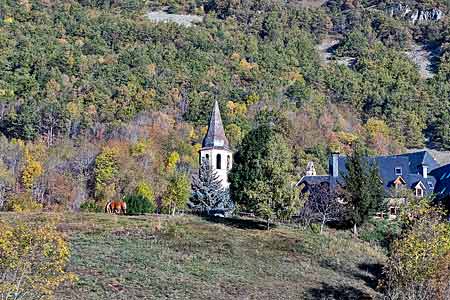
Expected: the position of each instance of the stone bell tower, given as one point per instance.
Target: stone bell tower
(215, 147)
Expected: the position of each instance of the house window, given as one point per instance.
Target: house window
(398, 171)
(228, 162)
(419, 192)
(219, 161)
(430, 185)
(393, 210)
(207, 157)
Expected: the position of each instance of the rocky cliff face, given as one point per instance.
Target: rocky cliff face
(415, 15)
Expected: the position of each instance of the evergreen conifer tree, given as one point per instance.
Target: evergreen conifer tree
(208, 193)
(364, 187)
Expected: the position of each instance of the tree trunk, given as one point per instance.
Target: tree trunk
(268, 224)
(322, 225)
(355, 230)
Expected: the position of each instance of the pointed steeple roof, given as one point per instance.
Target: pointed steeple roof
(216, 135)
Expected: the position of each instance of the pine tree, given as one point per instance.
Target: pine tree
(364, 188)
(376, 189)
(208, 193)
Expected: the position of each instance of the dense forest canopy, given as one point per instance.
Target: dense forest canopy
(79, 79)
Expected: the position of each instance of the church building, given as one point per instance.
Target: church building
(215, 147)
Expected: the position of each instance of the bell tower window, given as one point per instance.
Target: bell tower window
(219, 161)
(228, 162)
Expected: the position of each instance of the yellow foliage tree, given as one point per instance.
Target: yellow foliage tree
(236, 109)
(252, 99)
(415, 268)
(33, 260)
(31, 170)
(9, 20)
(376, 127)
(246, 66)
(177, 193)
(106, 173)
(172, 161)
(234, 134)
(139, 148)
(23, 202)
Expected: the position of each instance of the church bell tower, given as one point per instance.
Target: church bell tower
(215, 147)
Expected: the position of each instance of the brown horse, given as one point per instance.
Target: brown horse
(116, 207)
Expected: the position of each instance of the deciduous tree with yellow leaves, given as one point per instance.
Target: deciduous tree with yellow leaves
(33, 261)
(419, 265)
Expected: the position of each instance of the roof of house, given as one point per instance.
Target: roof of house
(408, 166)
(215, 137)
(442, 176)
(314, 179)
(418, 159)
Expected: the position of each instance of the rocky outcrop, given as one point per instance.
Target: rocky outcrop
(184, 20)
(423, 58)
(415, 15)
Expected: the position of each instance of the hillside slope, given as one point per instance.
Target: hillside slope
(150, 257)
(81, 80)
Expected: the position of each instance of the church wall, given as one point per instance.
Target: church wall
(225, 165)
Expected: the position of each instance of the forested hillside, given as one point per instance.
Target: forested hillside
(97, 101)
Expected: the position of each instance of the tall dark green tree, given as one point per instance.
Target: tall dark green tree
(363, 186)
(440, 90)
(208, 194)
(261, 178)
(441, 130)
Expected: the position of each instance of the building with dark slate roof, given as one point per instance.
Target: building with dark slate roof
(418, 172)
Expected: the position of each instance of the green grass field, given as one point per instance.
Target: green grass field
(187, 257)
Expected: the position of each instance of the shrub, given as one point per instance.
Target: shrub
(142, 201)
(23, 202)
(380, 231)
(32, 261)
(315, 228)
(91, 206)
(418, 267)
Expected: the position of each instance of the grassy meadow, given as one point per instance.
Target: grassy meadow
(188, 257)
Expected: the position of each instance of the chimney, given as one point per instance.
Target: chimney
(335, 164)
(310, 169)
(425, 171)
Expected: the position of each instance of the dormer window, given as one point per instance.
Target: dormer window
(398, 171)
(419, 192)
(430, 185)
(399, 182)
